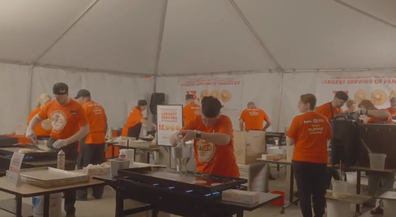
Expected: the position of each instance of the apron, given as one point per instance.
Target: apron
(135, 131)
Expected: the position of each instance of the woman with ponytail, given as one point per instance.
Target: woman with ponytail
(43, 129)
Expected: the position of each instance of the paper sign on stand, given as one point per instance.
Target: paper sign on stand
(20, 129)
(169, 121)
(13, 173)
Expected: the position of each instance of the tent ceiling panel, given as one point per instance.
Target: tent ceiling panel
(113, 35)
(383, 9)
(311, 34)
(203, 36)
(27, 28)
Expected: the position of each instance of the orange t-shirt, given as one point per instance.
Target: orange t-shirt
(97, 120)
(391, 111)
(310, 132)
(190, 111)
(66, 120)
(134, 118)
(253, 118)
(38, 129)
(211, 158)
(379, 120)
(325, 110)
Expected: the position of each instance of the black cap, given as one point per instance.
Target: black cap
(189, 96)
(342, 95)
(60, 89)
(211, 107)
(83, 93)
(142, 102)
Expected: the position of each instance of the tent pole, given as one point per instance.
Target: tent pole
(67, 30)
(280, 101)
(159, 44)
(30, 88)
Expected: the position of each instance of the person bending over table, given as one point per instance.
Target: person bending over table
(69, 125)
(213, 140)
(309, 133)
(376, 180)
(392, 108)
(135, 120)
(42, 129)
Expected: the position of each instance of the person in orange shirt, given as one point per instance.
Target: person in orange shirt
(333, 108)
(253, 118)
(92, 147)
(375, 115)
(42, 129)
(377, 180)
(191, 109)
(351, 106)
(392, 109)
(213, 140)
(135, 120)
(69, 125)
(309, 133)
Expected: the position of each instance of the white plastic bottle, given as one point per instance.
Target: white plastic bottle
(61, 160)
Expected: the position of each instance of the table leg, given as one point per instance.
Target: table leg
(134, 154)
(46, 205)
(277, 169)
(112, 151)
(119, 205)
(18, 211)
(154, 213)
(358, 186)
(239, 213)
(148, 157)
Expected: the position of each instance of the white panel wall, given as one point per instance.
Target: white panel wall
(113, 92)
(14, 93)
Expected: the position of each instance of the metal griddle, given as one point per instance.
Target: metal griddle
(185, 181)
(39, 153)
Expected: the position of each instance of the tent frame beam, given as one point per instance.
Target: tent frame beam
(365, 13)
(66, 31)
(159, 44)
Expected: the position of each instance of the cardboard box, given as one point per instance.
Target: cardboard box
(239, 196)
(257, 176)
(248, 146)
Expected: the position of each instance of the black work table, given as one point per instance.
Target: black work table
(158, 201)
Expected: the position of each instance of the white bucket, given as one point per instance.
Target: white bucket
(351, 177)
(340, 189)
(55, 205)
(377, 161)
(289, 152)
(338, 209)
(389, 208)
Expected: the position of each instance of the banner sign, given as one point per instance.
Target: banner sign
(169, 121)
(378, 88)
(227, 89)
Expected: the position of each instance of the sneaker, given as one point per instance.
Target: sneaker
(379, 210)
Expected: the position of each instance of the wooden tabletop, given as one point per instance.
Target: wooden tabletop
(264, 199)
(350, 198)
(26, 190)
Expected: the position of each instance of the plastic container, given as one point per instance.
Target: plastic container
(280, 201)
(389, 208)
(351, 177)
(377, 161)
(55, 205)
(338, 209)
(340, 189)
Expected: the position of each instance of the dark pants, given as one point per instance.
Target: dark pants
(71, 153)
(311, 183)
(135, 131)
(90, 154)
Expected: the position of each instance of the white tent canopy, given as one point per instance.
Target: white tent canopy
(193, 37)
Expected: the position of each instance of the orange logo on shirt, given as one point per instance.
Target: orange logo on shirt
(206, 151)
(58, 120)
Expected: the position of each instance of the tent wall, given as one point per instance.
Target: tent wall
(113, 92)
